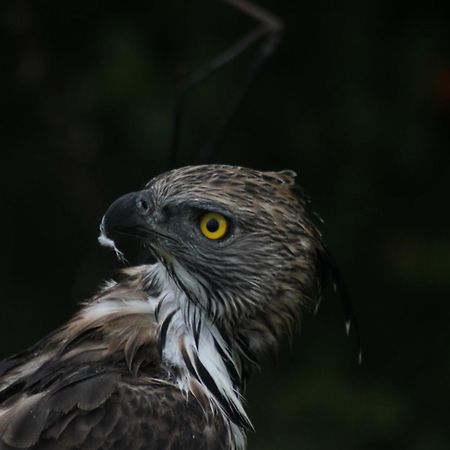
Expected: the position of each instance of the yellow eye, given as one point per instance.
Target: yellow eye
(213, 225)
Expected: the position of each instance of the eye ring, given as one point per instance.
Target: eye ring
(213, 225)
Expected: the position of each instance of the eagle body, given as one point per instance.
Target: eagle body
(160, 357)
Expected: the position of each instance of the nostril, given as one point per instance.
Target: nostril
(143, 206)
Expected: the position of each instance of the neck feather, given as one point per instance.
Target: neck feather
(207, 365)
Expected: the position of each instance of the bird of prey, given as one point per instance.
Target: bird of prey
(160, 356)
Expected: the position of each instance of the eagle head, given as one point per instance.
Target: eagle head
(237, 241)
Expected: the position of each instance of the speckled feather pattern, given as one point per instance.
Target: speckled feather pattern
(277, 249)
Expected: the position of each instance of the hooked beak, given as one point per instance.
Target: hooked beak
(128, 215)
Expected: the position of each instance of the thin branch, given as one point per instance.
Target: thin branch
(269, 29)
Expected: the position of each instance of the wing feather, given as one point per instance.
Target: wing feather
(101, 406)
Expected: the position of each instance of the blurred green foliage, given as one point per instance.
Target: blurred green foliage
(356, 99)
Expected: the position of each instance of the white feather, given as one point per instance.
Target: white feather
(107, 242)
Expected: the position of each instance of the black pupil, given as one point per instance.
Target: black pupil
(213, 225)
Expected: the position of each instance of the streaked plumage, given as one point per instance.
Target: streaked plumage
(160, 357)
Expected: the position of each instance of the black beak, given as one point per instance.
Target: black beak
(125, 224)
(123, 216)
(127, 215)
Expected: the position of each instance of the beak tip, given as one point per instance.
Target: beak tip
(105, 241)
(121, 214)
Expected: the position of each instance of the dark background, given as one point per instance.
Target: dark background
(356, 100)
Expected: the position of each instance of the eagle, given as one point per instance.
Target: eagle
(159, 358)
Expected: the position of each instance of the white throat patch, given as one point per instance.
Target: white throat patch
(193, 344)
